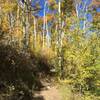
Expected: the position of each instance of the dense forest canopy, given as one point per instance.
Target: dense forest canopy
(63, 36)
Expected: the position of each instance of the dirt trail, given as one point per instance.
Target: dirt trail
(51, 93)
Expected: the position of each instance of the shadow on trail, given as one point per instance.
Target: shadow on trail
(38, 98)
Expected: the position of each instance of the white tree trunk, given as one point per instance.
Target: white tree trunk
(47, 35)
(44, 23)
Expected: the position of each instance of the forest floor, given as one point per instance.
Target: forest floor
(56, 92)
(50, 93)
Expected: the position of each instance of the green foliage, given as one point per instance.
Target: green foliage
(76, 59)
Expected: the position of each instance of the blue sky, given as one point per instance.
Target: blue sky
(42, 6)
(41, 2)
(98, 10)
(88, 2)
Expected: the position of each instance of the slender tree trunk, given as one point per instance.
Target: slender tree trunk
(47, 34)
(44, 23)
(10, 17)
(24, 28)
(27, 30)
(18, 25)
(60, 37)
(11, 21)
(26, 25)
(35, 36)
(0, 16)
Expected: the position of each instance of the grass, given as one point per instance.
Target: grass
(67, 94)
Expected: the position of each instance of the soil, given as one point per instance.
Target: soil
(48, 93)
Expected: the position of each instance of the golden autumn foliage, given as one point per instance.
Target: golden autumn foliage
(51, 42)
